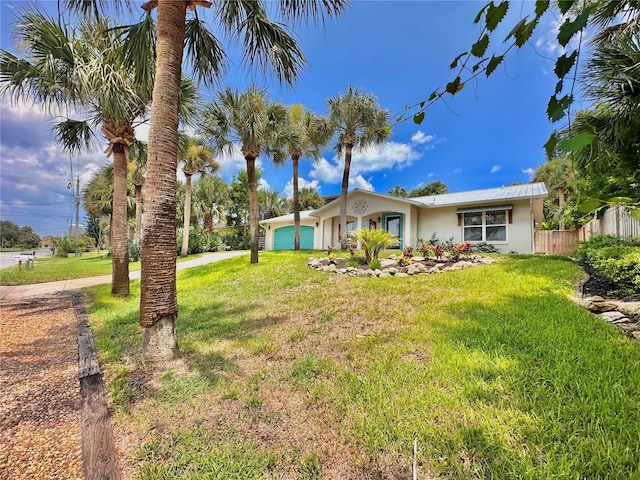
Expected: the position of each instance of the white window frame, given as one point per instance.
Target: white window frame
(484, 225)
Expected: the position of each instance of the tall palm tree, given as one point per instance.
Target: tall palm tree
(251, 120)
(266, 44)
(196, 158)
(83, 68)
(359, 122)
(306, 134)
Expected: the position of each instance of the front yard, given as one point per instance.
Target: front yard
(287, 372)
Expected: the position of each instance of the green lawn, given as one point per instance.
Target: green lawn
(290, 372)
(48, 269)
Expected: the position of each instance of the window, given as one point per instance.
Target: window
(485, 226)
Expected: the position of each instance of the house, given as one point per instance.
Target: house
(505, 217)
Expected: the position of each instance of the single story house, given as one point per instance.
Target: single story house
(505, 217)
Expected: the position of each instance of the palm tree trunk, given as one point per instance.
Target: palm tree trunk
(119, 250)
(296, 204)
(208, 223)
(186, 223)
(562, 204)
(138, 213)
(343, 197)
(158, 296)
(254, 207)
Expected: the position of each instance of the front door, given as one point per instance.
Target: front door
(393, 224)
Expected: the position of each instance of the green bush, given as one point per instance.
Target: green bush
(623, 268)
(616, 259)
(70, 244)
(590, 250)
(484, 247)
(134, 251)
(201, 241)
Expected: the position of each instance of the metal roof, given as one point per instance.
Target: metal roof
(470, 197)
(287, 218)
(512, 192)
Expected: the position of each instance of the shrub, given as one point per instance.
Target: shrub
(593, 248)
(70, 244)
(621, 265)
(374, 264)
(134, 251)
(373, 241)
(484, 247)
(200, 241)
(460, 249)
(352, 262)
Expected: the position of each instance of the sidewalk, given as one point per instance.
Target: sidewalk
(36, 289)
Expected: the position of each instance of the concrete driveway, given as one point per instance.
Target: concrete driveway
(36, 289)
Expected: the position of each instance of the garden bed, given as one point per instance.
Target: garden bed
(395, 266)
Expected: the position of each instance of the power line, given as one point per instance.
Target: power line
(33, 215)
(67, 202)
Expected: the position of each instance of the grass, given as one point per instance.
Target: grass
(286, 371)
(49, 269)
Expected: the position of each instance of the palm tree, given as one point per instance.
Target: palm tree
(309, 198)
(197, 158)
(137, 165)
(306, 134)
(251, 120)
(271, 204)
(82, 67)
(266, 44)
(359, 122)
(210, 199)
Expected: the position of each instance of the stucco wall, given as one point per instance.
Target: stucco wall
(364, 207)
(270, 232)
(444, 222)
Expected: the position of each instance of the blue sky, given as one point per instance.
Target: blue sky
(490, 134)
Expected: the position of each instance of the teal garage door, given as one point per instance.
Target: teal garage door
(283, 238)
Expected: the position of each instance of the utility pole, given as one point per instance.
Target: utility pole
(77, 200)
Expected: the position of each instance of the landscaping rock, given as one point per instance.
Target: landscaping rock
(614, 316)
(390, 267)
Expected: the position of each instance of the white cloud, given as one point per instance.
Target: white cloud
(529, 171)
(326, 172)
(420, 138)
(391, 155)
(457, 170)
(263, 185)
(302, 183)
(359, 182)
(496, 168)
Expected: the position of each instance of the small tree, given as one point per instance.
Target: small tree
(373, 241)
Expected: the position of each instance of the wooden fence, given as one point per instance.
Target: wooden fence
(556, 242)
(615, 221)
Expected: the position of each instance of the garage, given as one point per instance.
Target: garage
(283, 238)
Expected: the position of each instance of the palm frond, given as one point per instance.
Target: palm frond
(268, 46)
(204, 52)
(190, 101)
(316, 10)
(138, 52)
(97, 8)
(74, 135)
